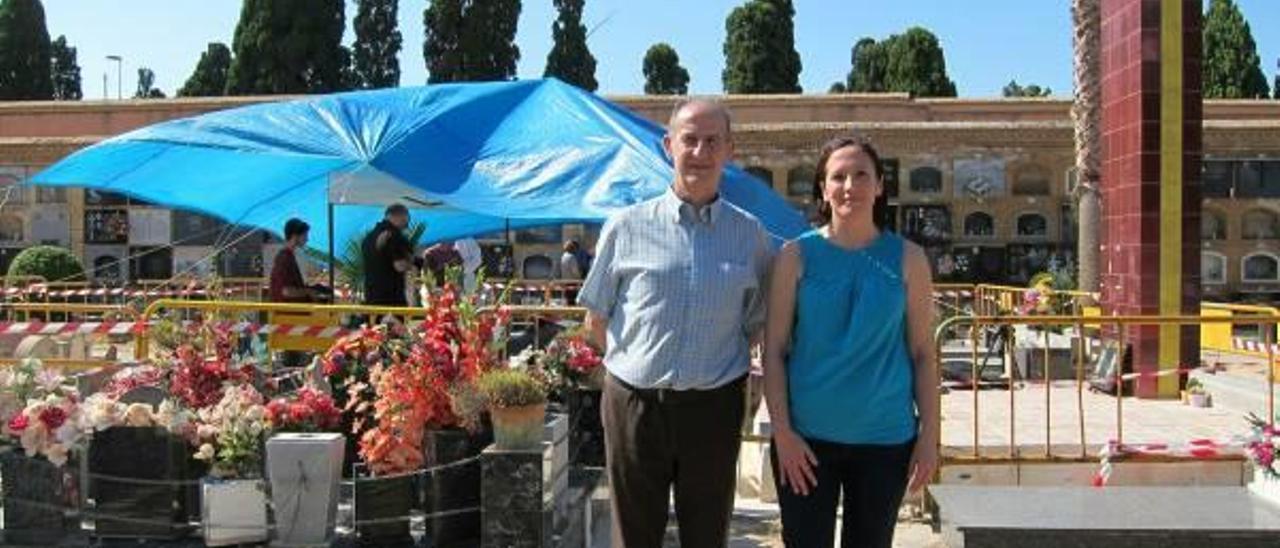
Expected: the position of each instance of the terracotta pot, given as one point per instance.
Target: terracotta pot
(518, 428)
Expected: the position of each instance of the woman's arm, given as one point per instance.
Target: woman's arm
(795, 459)
(920, 343)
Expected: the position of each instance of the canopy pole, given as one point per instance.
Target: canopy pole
(332, 258)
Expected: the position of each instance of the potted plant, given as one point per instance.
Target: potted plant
(233, 497)
(304, 464)
(41, 430)
(1197, 395)
(574, 371)
(517, 402)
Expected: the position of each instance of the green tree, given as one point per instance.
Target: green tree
(759, 49)
(210, 76)
(471, 41)
(1231, 66)
(1014, 89)
(53, 263)
(837, 87)
(868, 60)
(146, 85)
(911, 62)
(288, 46)
(663, 74)
(25, 52)
(65, 71)
(377, 44)
(916, 65)
(570, 59)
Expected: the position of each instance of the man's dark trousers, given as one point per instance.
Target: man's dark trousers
(657, 439)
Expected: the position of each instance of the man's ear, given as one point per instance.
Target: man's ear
(666, 146)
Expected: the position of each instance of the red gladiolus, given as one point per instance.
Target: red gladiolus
(53, 417)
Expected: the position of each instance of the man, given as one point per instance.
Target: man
(675, 296)
(287, 284)
(387, 255)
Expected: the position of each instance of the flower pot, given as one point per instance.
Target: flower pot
(34, 492)
(586, 433)
(382, 507)
(233, 511)
(304, 470)
(453, 486)
(128, 471)
(1198, 400)
(518, 428)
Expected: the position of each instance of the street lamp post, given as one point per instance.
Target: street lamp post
(119, 74)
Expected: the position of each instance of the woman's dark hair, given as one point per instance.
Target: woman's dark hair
(822, 215)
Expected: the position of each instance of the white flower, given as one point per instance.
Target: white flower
(206, 432)
(205, 453)
(138, 414)
(255, 413)
(57, 454)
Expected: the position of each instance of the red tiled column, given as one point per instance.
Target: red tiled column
(1151, 177)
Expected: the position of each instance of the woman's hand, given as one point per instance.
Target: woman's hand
(924, 461)
(795, 462)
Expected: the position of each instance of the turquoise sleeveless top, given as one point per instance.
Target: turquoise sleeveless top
(850, 375)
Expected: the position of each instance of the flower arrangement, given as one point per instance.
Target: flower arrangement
(133, 377)
(102, 411)
(231, 433)
(48, 426)
(570, 362)
(411, 377)
(26, 380)
(1263, 446)
(511, 388)
(197, 381)
(309, 410)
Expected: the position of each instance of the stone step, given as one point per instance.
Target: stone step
(1132, 517)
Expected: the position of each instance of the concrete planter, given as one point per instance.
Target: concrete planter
(233, 511)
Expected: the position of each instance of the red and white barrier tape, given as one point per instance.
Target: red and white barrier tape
(1248, 345)
(123, 328)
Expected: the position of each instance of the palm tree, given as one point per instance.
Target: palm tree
(349, 264)
(1086, 114)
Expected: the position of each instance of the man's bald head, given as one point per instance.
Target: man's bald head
(693, 107)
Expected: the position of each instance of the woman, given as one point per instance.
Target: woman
(849, 363)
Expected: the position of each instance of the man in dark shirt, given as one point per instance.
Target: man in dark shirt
(387, 255)
(287, 285)
(439, 258)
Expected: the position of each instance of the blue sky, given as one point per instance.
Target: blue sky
(987, 42)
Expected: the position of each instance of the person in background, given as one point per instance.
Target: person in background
(439, 258)
(849, 363)
(388, 259)
(286, 282)
(472, 260)
(570, 269)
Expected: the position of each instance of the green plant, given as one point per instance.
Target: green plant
(1194, 386)
(53, 263)
(511, 388)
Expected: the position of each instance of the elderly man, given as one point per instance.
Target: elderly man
(676, 298)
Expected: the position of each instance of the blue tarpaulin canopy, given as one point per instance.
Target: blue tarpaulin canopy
(467, 158)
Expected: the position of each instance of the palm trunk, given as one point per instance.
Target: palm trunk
(1086, 114)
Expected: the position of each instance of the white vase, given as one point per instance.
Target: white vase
(233, 511)
(304, 470)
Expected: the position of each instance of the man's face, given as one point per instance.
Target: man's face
(399, 221)
(699, 145)
(300, 240)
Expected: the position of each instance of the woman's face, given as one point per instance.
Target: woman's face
(851, 185)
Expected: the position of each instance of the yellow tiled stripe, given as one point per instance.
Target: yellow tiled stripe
(1171, 60)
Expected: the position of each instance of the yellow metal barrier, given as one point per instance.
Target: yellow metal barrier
(1223, 338)
(1118, 325)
